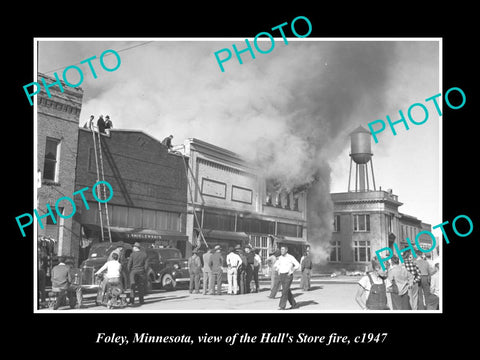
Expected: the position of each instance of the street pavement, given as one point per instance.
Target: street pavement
(326, 295)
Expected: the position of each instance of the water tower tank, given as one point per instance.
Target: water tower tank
(361, 151)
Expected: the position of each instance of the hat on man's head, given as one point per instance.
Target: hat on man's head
(137, 244)
(238, 247)
(217, 247)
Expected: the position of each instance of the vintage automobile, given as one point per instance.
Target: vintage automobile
(166, 266)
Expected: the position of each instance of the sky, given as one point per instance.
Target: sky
(289, 111)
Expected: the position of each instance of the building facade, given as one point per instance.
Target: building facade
(57, 136)
(365, 222)
(149, 186)
(230, 204)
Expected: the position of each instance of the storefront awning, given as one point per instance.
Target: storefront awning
(131, 235)
(224, 235)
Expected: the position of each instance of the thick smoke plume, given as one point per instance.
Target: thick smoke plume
(289, 112)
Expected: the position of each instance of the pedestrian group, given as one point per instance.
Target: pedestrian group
(413, 285)
(243, 265)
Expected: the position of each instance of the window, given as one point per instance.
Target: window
(250, 225)
(49, 218)
(261, 243)
(335, 252)
(336, 223)
(289, 229)
(361, 251)
(219, 222)
(361, 222)
(389, 219)
(51, 159)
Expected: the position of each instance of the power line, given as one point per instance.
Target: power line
(125, 49)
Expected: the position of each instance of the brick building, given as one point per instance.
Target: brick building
(234, 205)
(56, 136)
(149, 189)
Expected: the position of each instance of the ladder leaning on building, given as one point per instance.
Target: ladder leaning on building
(101, 190)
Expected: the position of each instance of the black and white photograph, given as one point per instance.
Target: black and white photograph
(249, 187)
(212, 183)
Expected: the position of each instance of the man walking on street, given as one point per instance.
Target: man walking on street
(194, 268)
(413, 291)
(286, 265)
(233, 263)
(137, 267)
(306, 267)
(216, 263)
(207, 271)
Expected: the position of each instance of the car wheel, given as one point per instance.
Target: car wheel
(168, 283)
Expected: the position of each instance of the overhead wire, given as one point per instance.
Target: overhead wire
(125, 49)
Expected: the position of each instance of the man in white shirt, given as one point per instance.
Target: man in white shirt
(286, 265)
(233, 262)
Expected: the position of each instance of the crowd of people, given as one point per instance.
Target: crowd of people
(243, 265)
(411, 285)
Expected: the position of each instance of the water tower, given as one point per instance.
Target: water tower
(361, 154)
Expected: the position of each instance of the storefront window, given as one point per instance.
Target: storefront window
(260, 242)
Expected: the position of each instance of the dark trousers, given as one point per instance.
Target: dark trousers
(423, 292)
(305, 282)
(194, 280)
(41, 286)
(276, 285)
(255, 277)
(207, 277)
(137, 283)
(241, 280)
(401, 302)
(286, 281)
(217, 277)
(249, 276)
(74, 294)
(433, 302)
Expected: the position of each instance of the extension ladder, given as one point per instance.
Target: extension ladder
(101, 189)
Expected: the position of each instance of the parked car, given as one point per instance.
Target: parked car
(166, 266)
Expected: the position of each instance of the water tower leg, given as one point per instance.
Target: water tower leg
(350, 174)
(356, 177)
(366, 176)
(373, 176)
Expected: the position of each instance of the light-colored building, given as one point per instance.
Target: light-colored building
(231, 204)
(367, 219)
